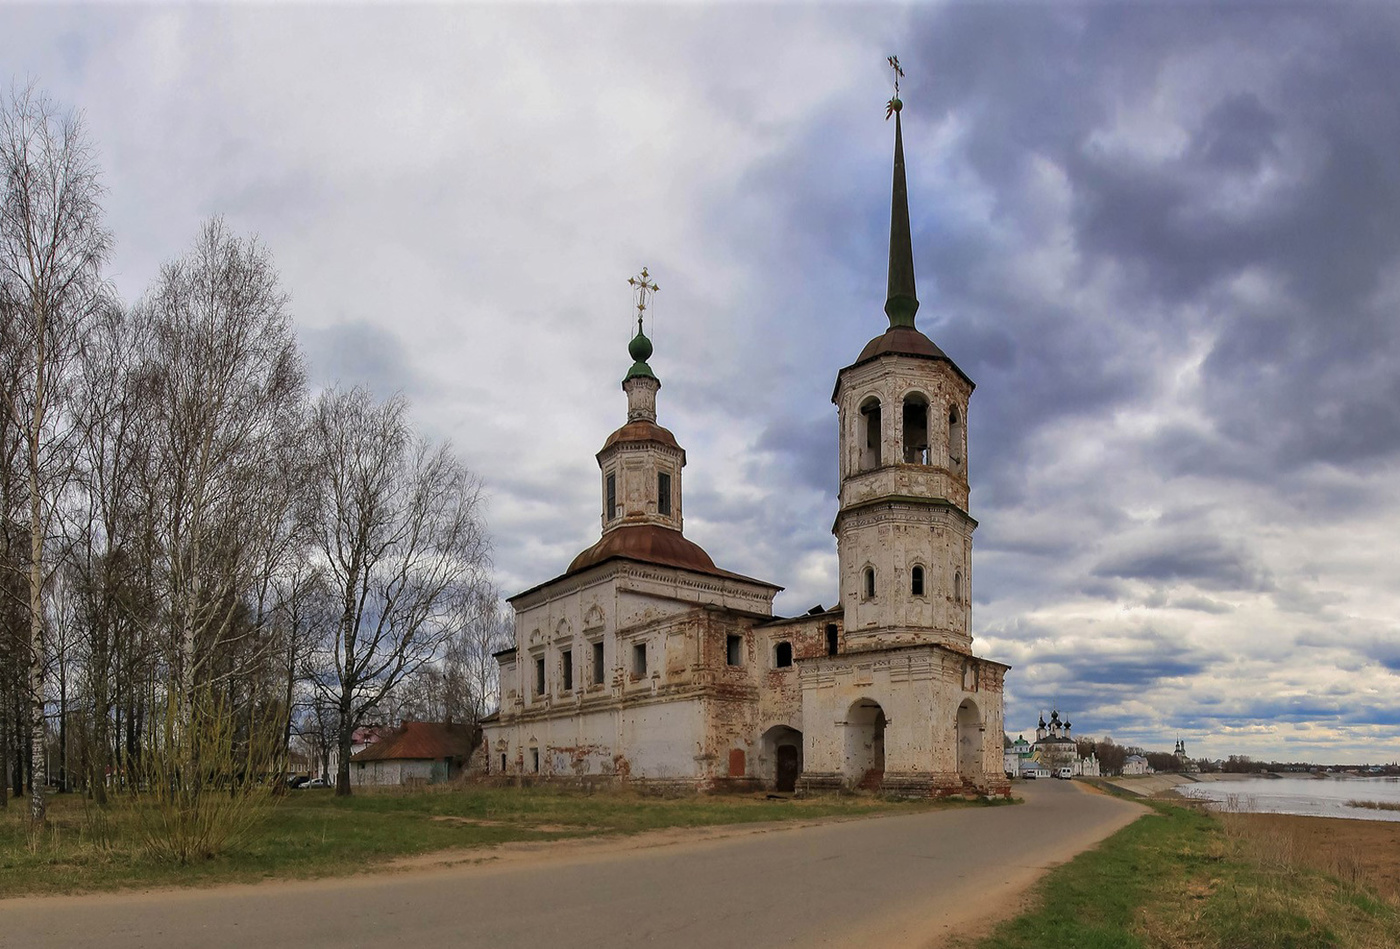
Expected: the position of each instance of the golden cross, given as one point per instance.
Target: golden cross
(643, 285)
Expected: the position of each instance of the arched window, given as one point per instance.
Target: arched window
(782, 655)
(916, 581)
(955, 438)
(870, 447)
(869, 582)
(957, 587)
(915, 442)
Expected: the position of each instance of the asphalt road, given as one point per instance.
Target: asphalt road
(893, 881)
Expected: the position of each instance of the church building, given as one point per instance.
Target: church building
(644, 661)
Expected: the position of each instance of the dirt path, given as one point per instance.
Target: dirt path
(909, 880)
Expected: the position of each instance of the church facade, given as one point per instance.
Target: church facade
(644, 661)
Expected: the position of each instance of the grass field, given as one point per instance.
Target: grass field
(313, 833)
(1181, 878)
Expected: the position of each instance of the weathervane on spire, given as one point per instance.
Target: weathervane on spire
(644, 287)
(894, 105)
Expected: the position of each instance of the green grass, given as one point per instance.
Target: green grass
(1180, 878)
(313, 833)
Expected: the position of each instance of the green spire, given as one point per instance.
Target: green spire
(901, 302)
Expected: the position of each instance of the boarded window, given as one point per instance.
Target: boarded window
(597, 663)
(639, 659)
(734, 650)
(568, 668)
(916, 581)
(612, 496)
(738, 767)
(782, 655)
(833, 640)
(663, 493)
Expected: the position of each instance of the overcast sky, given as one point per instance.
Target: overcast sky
(1162, 240)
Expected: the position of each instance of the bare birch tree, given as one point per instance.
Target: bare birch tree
(224, 384)
(52, 248)
(399, 525)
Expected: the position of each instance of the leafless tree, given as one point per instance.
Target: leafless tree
(52, 248)
(398, 524)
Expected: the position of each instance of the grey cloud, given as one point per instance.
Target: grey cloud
(359, 353)
(1202, 559)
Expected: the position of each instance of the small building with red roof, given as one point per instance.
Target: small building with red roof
(414, 753)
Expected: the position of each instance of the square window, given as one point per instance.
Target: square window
(734, 650)
(782, 655)
(639, 659)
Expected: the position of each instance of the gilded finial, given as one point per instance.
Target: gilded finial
(894, 105)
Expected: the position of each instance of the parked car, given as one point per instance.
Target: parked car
(1066, 772)
(314, 783)
(297, 780)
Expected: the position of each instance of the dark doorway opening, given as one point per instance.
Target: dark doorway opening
(789, 767)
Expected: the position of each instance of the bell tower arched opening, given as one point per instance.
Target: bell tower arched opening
(915, 430)
(870, 430)
(955, 439)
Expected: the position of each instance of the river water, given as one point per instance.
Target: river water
(1314, 797)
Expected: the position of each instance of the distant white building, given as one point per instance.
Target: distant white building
(1088, 766)
(1136, 764)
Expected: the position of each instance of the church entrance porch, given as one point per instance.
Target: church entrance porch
(782, 757)
(865, 745)
(970, 736)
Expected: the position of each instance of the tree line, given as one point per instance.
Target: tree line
(200, 558)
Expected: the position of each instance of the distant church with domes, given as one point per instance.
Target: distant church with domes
(644, 661)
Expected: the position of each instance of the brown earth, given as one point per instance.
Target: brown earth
(1365, 851)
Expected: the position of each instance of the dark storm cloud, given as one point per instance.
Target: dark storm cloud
(1042, 81)
(1205, 560)
(806, 450)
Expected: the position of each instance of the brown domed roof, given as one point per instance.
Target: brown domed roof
(650, 543)
(641, 431)
(903, 341)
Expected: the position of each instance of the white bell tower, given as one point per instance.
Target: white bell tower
(904, 537)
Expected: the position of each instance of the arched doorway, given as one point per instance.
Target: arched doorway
(782, 753)
(865, 743)
(970, 737)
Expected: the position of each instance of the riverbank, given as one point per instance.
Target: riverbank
(1185, 877)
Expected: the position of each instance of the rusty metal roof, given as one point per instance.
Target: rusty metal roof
(641, 430)
(421, 740)
(650, 543)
